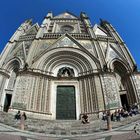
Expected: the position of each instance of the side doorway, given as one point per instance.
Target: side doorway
(124, 101)
(7, 102)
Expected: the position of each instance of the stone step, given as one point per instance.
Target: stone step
(63, 127)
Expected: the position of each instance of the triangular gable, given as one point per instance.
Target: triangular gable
(112, 53)
(99, 31)
(65, 41)
(66, 15)
(17, 52)
(117, 48)
(33, 30)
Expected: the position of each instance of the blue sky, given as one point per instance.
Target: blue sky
(124, 15)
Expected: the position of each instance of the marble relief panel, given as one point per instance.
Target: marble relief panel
(136, 79)
(43, 45)
(87, 45)
(2, 84)
(110, 90)
(22, 90)
(65, 42)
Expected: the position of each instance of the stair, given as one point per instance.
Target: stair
(63, 127)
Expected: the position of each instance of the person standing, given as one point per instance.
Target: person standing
(22, 120)
(17, 116)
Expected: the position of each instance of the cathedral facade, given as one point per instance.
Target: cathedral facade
(66, 67)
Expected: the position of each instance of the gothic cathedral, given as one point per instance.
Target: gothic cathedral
(66, 67)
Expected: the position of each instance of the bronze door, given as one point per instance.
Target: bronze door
(66, 103)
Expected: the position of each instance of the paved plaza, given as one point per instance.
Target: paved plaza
(121, 133)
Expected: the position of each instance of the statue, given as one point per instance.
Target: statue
(25, 67)
(105, 69)
(135, 68)
(65, 72)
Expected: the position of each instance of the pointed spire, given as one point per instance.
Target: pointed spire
(102, 22)
(29, 21)
(49, 15)
(84, 15)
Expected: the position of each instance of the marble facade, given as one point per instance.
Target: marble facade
(66, 50)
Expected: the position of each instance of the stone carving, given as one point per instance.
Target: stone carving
(12, 79)
(27, 46)
(66, 72)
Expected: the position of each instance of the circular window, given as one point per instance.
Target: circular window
(67, 29)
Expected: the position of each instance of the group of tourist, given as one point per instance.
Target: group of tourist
(121, 113)
(21, 117)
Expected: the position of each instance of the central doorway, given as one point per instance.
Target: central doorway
(66, 103)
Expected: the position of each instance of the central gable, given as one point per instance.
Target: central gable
(66, 15)
(65, 41)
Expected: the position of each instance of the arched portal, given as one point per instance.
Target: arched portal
(13, 68)
(124, 84)
(68, 69)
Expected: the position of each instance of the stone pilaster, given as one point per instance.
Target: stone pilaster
(99, 93)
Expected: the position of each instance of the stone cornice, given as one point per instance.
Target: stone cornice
(39, 72)
(105, 38)
(54, 36)
(36, 72)
(65, 19)
(27, 37)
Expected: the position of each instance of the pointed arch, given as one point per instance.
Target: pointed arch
(13, 63)
(66, 56)
(124, 65)
(124, 81)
